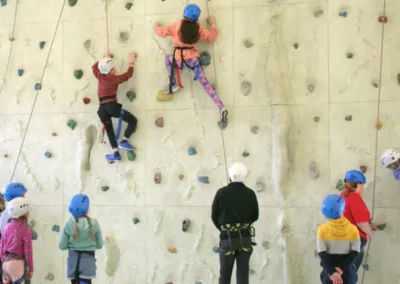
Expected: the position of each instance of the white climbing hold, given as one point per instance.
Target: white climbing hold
(313, 170)
(112, 257)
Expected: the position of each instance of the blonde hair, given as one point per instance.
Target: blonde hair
(76, 230)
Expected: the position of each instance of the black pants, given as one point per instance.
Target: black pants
(229, 252)
(107, 111)
(86, 281)
(360, 256)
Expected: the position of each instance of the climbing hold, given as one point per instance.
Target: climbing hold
(181, 177)
(363, 169)
(254, 129)
(87, 44)
(245, 154)
(313, 170)
(349, 118)
(11, 39)
(343, 14)
(185, 225)
(41, 44)
(205, 58)
(47, 155)
(131, 155)
(192, 151)
(163, 97)
(71, 124)
(49, 277)
(54, 134)
(245, 87)
(383, 19)
(252, 271)
(375, 85)
(32, 223)
(340, 185)
(197, 282)
(20, 72)
(311, 88)
(318, 13)
(378, 125)
(172, 249)
(72, 3)
(55, 228)
(5, 156)
(123, 36)
(366, 266)
(86, 101)
(159, 122)
(38, 86)
(157, 178)
(260, 186)
(349, 55)
(131, 95)
(316, 118)
(78, 74)
(105, 188)
(265, 244)
(215, 249)
(248, 43)
(296, 45)
(128, 5)
(135, 220)
(203, 179)
(382, 226)
(3, 3)
(398, 78)
(222, 124)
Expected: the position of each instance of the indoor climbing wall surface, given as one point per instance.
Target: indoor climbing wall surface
(312, 91)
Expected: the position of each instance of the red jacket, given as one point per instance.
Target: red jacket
(108, 84)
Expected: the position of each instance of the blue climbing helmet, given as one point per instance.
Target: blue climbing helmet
(79, 205)
(14, 190)
(355, 176)
(333, 206)
(192, 12)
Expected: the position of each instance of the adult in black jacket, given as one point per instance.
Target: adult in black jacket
(234, 209)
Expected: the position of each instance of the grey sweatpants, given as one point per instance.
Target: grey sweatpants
(87, 266)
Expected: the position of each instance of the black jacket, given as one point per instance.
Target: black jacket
(235, 203)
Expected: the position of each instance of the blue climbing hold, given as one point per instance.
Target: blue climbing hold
(55, 228)
(3, 3)
(38, 86)
(204, 179)
(205, 58)
(366, 266)
(41, 44)
(20, 72)
(343, 14)
(192, 151)
(47, 155)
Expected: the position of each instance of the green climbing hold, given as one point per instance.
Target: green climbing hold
(128, 5)
(41, 44)
(296, 45)
(72, 3)
(349, 55)
(348, 118)
(131, 95)
(382, 226)
(71, 124)
(135, 220)
(78, 74)
(340, 185)
(131, 155)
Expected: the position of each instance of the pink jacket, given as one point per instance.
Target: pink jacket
(173, 29)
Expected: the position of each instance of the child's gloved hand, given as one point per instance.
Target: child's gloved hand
(211, 21)
(131, 59)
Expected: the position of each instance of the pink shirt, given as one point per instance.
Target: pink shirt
(173, 30)
(17, 238)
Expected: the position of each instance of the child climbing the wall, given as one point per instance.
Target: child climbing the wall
(16, 243)
(81, 236)
(108, 82)
(391, 159)
(186, 33)
(338, 243)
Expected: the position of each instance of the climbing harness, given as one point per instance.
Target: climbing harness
(239, 228)
(78, 262)
(105, 123)
(177, 68)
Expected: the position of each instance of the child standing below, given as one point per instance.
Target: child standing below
(104, 71)
(186, 33)
(16, 243)
(338, 243)
(391, 160)
(81, 236)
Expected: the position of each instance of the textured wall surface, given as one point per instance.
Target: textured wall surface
(303, 87)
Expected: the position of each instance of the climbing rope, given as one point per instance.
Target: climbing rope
(216, 81)
(107, 28)
(37, 93)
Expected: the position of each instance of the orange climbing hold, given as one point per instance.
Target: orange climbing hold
(54, 134)
(378, 125)
(5, 156)
(172, 249)
(11, 39)
(383, 19)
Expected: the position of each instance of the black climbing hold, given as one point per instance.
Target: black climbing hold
(159, 122)
(296, 45)
(72, 3)
(135, 220)
(311, 88)
(245, 87)
(375, 85)
(131, 155)
(205, 58)
(185, 225)
(204, 179)
(254, 129)
(215, 249)
(78, 74)
(123, 36)
(318, 13)
(157, 178)
(197, 282)
(245, 154)
(47, 155)
(105, 188)
(192, 151)
(343, 14)
(128, 5)
(41, 44)
(260, 186)
(131, 95)
(340, 185)
(38, 86)
(181, 177)
(71, 124)
(349, 55)
(363, 169)
(55, 228)
(349, 118)
(248, 43)
(252, 271)
(265, 244)
(20, 72)
(366, 266)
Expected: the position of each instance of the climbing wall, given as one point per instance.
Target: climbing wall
(312, 91)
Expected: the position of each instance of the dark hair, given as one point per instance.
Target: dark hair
(189, 32)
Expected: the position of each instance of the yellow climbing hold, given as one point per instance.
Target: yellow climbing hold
(172, 249)
(163, 97)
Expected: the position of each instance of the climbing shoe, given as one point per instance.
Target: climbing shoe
(113, 157)
(174, 89)
(124, 144)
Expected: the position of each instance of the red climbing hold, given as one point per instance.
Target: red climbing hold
(11, 39)
(382, 19)
(86, 101)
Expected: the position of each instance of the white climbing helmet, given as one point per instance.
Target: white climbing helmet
(389, 157)
(18, 207)
(238, 172)
(106, 65)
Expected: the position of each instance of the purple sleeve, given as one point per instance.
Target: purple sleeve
(27, 241)
(396, 173)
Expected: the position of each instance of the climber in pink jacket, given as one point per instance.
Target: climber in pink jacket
(186, 33)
